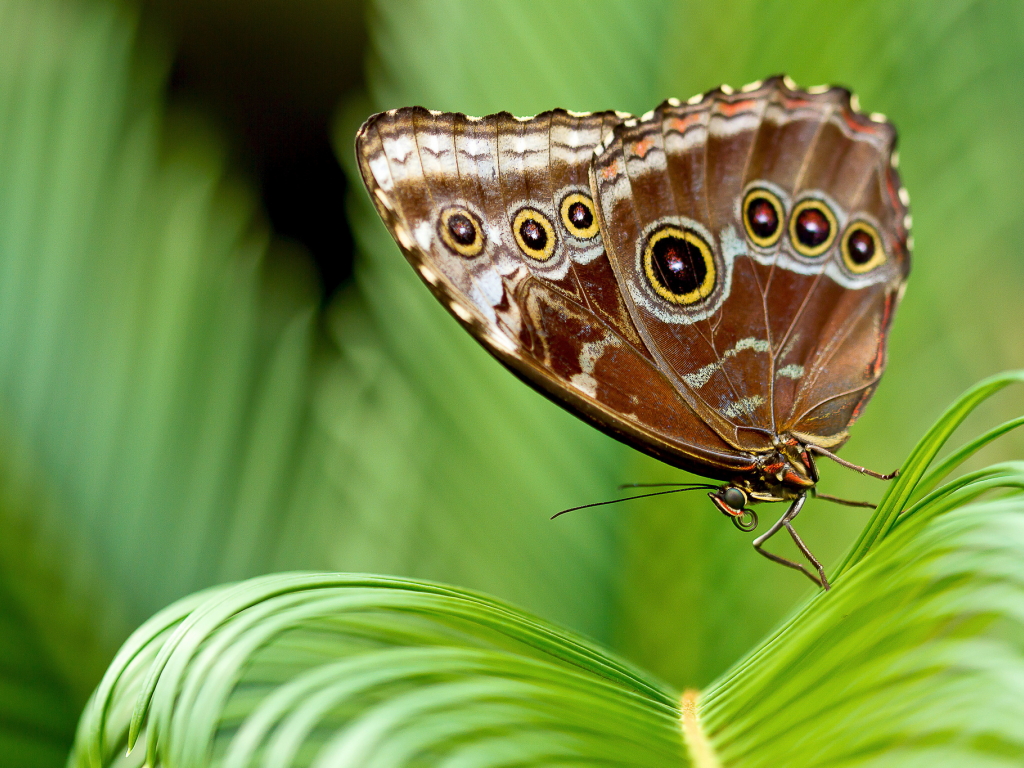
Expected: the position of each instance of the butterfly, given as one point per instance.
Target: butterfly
(712, 283)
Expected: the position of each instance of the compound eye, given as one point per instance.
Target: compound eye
(762, 216)
(734, 497)
(862, 248)
(812, 227)
(461, 232)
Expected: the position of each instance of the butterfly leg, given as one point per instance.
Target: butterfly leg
(849, 464)
(844, 502)
(813, 469)
(786, 522)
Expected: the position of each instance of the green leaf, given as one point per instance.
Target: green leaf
(305, 653)
(152, 379)
(893, 506)
(915, 657)
(170, 419)
(917, 651)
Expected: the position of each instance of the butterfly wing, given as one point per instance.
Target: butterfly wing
(496, 215)
(759, 336)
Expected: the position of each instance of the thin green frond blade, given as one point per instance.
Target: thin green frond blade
(915, 657)
(361, 670)
(148, 370)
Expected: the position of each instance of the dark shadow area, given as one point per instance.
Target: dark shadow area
(270, 74)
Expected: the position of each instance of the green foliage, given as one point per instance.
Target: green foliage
(917, 654)
(958, 69)
(425, 664)
(915, 657)
(151, 382)
(175, 413)
(172, 416)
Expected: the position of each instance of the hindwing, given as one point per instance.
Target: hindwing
(788, 331)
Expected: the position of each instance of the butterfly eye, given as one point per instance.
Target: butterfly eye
(460, 230)
(578, 217)
(679, 265)
(734, 497)
(812, 227)
(862, 248)
(762, 216)
(534, 234)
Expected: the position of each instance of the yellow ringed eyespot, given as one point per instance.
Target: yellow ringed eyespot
(862, 248)
(460, 230)
(534, 234)
(578, 217)
(762, 216)
(812, 227)
(679, 265)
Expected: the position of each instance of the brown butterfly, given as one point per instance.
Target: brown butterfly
(712, 283)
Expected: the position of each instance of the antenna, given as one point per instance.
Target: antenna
(679, 488)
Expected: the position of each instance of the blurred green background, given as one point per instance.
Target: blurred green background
(214, 362)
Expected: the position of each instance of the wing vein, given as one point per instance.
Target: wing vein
(748, 421)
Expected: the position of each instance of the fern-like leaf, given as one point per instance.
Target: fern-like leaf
(915, 657)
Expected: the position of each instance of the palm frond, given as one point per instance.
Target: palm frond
(915, 657)
(361, 664)
(150, 378)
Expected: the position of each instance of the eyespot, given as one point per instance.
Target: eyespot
(862, 248)
(679, 265)
(578, 218)
(762, 216)
(460, 230)
(812, 227)
(534, 234)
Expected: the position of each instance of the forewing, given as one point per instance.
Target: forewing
(536, 288)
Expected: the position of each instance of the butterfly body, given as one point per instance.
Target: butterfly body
(712, 283)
